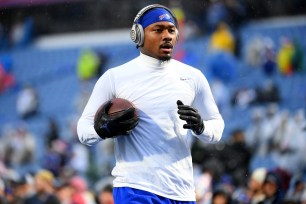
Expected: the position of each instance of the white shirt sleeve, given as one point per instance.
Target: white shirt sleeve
(100, 94)
(205, 104)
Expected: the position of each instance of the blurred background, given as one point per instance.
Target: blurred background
(251, 51)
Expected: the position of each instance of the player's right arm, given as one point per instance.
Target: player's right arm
(102, 92)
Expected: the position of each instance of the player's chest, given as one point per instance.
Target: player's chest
(160, 90)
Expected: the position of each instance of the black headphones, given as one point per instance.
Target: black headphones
(137, 32)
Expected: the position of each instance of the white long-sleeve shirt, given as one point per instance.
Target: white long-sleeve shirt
(156, 156)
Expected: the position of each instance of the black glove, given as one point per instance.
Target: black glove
(111, 126)
(191, 116)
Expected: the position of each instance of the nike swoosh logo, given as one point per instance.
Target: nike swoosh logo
(184, 78)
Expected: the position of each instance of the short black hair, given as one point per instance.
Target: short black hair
(107, 188)
(223, 193)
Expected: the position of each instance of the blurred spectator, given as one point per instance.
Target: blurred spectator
(2, 192)
(79, 155)
(295, 194)
(52, 133)
(300, 118)
(7, 79)
(79, 160)
(288, 145)
(21, 33)
(273, 189)
(222, 39)
(269, 93)
(225, 184)
(268, 126)
(21, 189)
(102, 182)
(56, 157)
(236, 156)
(254, 51)
(269, 61)
(81, 194)
(88, 64)
(44, 189)
(106, 195)
(243, 97)
(255, 185)
(20, 149)
(271, 120)
(221, 60)
(284, 56)
(208, 157)
(64, 193)
(260, 53)
(298, 57)
(7, 62)
(240, 195)
(254, 133)
(27, 102)
(105, 158)
(221, 197)
(204, 186)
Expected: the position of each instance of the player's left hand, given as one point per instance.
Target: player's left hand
(191, 116)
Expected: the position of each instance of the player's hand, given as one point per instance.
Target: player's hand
(191, 116)
(111, 126)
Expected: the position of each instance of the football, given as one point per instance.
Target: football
(119, 105)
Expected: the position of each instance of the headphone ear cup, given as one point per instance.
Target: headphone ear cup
(140, 35)
(137, 34)
(133, 33)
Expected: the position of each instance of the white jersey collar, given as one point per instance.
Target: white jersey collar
(153, 61)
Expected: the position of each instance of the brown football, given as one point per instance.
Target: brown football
(119, 105)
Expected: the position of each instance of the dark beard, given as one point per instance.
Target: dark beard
(165, 58)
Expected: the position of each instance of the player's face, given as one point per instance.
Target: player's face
(159, 40)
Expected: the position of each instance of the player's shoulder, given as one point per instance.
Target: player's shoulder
(120, 71)
(122, 67)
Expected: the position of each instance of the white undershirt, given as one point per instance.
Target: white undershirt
(156, 156)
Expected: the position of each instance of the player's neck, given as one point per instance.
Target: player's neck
(153, 61)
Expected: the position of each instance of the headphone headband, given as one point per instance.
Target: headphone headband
(147, 8)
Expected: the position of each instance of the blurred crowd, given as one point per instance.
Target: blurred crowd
(64, 171)
(43, 187)
(263, 162)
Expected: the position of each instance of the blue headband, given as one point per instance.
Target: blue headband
(155, 15)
